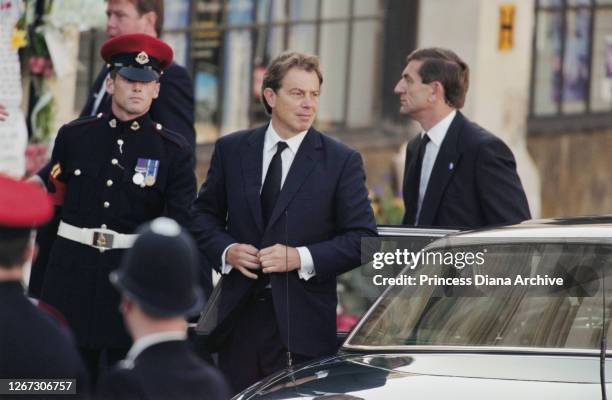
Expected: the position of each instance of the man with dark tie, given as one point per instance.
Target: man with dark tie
(281, 214)
(457, 174)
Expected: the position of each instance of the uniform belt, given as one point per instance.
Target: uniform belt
(99, 238)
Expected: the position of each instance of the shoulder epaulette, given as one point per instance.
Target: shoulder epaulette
(170, 135)
(84, 120)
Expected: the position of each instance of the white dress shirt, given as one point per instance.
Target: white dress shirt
(306, 270)
(436, 135)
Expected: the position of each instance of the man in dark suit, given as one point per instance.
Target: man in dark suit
(33, 344)
(281, 214)
(457, 174)
(174, 107)
(158, 289)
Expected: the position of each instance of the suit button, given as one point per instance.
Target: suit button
(109, 183)
(103, 226)
(114, 161)
(77, 172)
(106, 204)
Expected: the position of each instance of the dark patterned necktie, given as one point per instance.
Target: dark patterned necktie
(272, 184)
(416, 182)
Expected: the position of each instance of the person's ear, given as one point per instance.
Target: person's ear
(110, 85)
(126, 305)
(156, 90)
(437, 91)
(270, 96)
(151, 19)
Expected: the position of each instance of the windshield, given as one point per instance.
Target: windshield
(483, 304)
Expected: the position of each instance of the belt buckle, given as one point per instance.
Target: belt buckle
(102, 240)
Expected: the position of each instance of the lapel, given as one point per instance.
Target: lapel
(303, 164)
(443, 169)
(251, 156)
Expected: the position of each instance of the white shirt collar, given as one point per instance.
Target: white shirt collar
(438, 132)
(147, 341)
(272, 138)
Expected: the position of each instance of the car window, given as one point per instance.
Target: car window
(356, 289)
(447, 313)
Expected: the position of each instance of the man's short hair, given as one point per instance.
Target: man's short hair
(157, 6)
(279, 67)
(13, 251)
(446, 67)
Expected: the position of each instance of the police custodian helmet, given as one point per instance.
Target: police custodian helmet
(160, 271)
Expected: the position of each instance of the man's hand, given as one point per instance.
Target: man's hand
(243, 257)
(279, 258)
(3, 113)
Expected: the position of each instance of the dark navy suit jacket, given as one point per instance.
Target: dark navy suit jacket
(323, 205)
(473, 182)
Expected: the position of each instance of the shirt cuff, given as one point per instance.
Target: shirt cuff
(306, 270)
(226, 268)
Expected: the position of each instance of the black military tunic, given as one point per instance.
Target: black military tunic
(95, 163)
(32, 344)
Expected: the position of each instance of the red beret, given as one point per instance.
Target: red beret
(138, 43)
(23, 204)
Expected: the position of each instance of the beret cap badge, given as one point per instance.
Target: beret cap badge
(142, 58)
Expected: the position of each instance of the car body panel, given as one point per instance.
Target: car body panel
(462, 372)
(438, 375)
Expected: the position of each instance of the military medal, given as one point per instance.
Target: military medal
(152, 167)
(146, 172)
(138, 179)
(141, 168)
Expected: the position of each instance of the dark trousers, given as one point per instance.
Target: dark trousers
(254, 348)
(99, 361)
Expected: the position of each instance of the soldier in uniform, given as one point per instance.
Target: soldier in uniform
(110, 173)
(33, 344)
(157, 281)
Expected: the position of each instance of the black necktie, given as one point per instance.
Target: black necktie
(414, 186)
(272, 184)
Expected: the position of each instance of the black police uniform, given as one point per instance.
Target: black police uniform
(183, 376)
(95, 161)
(158, 273)
(33, 344)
